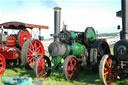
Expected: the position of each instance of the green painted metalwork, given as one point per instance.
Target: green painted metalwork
(90, 35)
(57, 60)
(73, 35)
(75, 49)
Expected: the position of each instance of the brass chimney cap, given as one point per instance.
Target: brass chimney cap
(57, 8)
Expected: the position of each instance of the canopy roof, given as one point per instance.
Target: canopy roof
(20, 25)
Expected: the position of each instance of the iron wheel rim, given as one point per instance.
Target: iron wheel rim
(2, 64)
(71, 66)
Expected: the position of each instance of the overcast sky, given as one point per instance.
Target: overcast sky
(77, 14)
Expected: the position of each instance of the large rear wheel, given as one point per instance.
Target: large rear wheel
(101, 48)
(108, 70)
(71, 68)
(2, 64)
(31, 50)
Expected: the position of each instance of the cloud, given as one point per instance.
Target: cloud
(49, 3)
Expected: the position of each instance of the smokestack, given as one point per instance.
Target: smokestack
(57, 15)
(124, 7)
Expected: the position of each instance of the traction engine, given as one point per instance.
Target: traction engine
(113, 67)
(19, 46)
(75, 48)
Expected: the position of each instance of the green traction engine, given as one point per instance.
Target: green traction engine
(72, 51)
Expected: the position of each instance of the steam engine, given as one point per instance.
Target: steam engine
(121, 47)
(71, 43)
(113, 67)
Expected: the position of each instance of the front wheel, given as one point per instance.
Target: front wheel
(108, 70)
(42, 67)
(71, 68)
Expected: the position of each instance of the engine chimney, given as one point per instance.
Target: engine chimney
(57, 15)
(124, 6)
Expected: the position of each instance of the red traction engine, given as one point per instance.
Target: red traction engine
(19, 45)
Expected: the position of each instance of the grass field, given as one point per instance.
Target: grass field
(86, 77)
(56, 78)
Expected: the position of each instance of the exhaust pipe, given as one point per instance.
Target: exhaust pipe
(124, 33)
(57, 16)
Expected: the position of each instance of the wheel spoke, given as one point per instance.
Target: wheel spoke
(110, 77)
(30, 50)
(35, 44)
(105, 69)
(37, 49)
(31, 46)
(71, 65)
(69, 68)
(71, 75)
(40, 74)
(74, 64)
(30, 59)
(106, 73)
(44, 71)
(34, 58)
(107, 64)
(29, 54)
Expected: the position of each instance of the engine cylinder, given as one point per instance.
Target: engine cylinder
(57, 49)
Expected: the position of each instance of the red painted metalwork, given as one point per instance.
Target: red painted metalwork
(11, 41)
(12, 44)
(42, 67)
(71, 70)
(23, 35)
(11, 55)
(2, 64)
(17, 25)
(34, 49)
